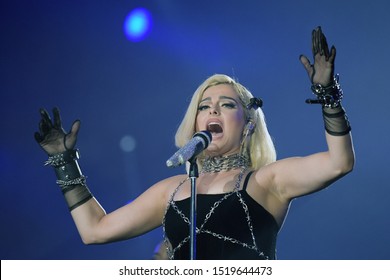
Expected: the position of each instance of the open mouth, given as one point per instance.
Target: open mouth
(214, 128)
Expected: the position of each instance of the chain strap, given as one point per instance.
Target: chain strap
(171, 251)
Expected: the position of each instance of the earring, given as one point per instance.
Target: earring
(250, 125)
(249, 128)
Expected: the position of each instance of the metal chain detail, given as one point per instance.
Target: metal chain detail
(171, 251)
(225, 163)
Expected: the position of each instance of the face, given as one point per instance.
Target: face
(220, 112)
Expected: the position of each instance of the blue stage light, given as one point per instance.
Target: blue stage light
(137, 24)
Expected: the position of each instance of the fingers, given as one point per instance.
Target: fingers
(45, 118)
(324, 46)
(332, 55)
(75, 128)
(308, 66)
(70, 139)
(51, 136)
(306, 63)
(314, 42)
(45, 124)
(323, 63)
(38, 137)
(57, 118)
(319, 43)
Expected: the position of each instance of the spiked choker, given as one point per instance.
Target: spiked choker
(225, 163)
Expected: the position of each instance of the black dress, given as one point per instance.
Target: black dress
(229, 226)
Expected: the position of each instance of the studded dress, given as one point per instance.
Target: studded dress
(229, 226)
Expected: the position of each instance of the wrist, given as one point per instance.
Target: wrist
(336, 121)
(329, 96)
(70, 178)
(63, 158)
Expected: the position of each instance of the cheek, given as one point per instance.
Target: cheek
(197, 122)
(239, 119)
(236, 126)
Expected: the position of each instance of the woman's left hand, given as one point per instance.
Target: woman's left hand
(322, 71)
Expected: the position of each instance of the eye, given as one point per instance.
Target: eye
(203, 107)
(229, 105)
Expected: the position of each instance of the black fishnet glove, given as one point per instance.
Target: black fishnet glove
(52, 137)
(322, 71)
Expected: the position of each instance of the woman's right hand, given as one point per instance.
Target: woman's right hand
(52, 137)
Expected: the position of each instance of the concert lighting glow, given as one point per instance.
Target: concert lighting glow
(127, 143)
(137, 24)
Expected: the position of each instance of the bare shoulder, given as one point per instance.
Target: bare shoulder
(166, 186)
(156, 197)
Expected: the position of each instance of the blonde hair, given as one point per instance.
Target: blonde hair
(260, 148)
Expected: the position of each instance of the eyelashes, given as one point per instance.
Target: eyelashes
(203, 107)
(229, 105)
(223, 105)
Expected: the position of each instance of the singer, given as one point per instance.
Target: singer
(243, 191)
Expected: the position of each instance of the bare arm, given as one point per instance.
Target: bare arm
(94, 225)
(299, 176)
(140, 216)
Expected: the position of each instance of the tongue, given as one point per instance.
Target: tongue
(214, 128)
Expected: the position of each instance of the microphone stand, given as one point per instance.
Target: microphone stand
(193, 174)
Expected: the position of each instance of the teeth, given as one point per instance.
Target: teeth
(214, 123)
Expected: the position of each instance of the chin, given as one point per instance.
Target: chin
(212, 150)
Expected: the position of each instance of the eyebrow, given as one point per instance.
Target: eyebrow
(221, 97)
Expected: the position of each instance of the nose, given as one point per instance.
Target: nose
(214, 110)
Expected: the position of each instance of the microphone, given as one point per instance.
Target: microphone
(199, 142)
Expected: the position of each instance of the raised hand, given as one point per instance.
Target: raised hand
(52, 137)
(322, 71)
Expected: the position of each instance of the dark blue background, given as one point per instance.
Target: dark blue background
(73, 54)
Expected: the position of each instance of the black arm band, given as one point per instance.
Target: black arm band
(70, 178)
(336, 121)
(69, 171)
